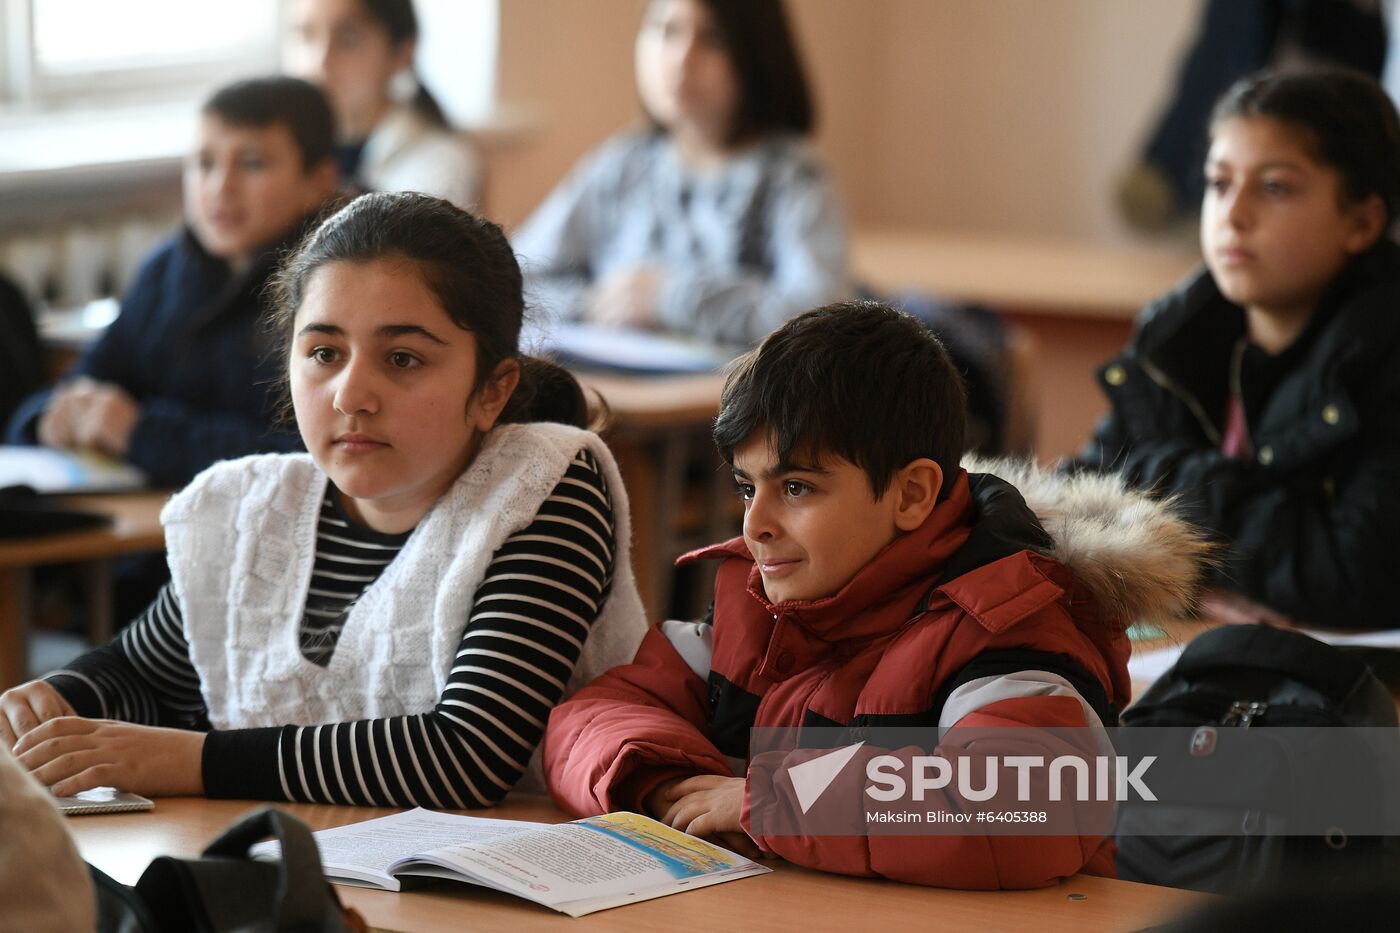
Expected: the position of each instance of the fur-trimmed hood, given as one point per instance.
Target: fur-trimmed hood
(1130, 550)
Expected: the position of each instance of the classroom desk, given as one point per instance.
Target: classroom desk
(136, 529)
(790, 898)
(1076, 299)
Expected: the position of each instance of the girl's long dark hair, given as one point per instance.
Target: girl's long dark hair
(401, 22)
(465, 261)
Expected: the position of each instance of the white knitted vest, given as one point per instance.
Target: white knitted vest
(241, 541)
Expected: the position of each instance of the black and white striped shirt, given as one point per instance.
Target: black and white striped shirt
(529, 619)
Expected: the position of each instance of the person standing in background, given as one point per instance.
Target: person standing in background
(358, 52)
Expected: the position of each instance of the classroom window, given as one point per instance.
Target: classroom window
(97, 54)
(61, 53)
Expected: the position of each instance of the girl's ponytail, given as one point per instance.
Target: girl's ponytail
(546, 392)
(426, 104)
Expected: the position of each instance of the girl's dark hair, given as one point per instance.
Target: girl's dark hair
(1347, 121)
(773, 94)
(401, 22)
(464, 260)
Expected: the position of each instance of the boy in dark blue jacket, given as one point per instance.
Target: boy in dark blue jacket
(181, 379)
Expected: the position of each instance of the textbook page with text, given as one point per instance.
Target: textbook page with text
(575, 868)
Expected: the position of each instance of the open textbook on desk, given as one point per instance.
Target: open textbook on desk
(575, 868)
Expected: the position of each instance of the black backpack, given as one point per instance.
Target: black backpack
(1248, 677)
(227, 891)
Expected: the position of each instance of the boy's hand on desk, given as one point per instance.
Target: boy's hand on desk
(709, 806)
(58, 425)
(25, 707)
(107, 420)
(88, 413)
(70, 755)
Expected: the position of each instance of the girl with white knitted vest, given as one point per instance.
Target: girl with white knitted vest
(389, 619)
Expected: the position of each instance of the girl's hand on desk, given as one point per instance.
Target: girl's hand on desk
(24, 707)
(628, 298)
(70, 755)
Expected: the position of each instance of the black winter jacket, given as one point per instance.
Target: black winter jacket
(1311, 523)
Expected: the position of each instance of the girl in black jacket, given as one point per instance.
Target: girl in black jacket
(1264, 393)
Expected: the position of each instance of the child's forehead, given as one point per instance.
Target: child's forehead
(216, 128)
(370, 293)
(1263, 139)
(762, 453)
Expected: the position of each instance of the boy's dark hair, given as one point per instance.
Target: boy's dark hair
(773, 92)
(1348, 122)
(855, 379)
(468, 265)
(289, 102)
(400, 21)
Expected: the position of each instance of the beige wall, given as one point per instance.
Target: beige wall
(1004, 115)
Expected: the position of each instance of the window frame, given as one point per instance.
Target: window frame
(25, 87)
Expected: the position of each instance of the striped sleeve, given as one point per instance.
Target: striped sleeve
(144, 675)
(530, 616)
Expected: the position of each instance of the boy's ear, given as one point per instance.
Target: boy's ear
(916, 489)
(1367, 223)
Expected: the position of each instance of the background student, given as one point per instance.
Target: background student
(1264, 394)
(389, 619)
(360, 52)
(180, 380)
(21, 357)
(715, 220)
(182, 377)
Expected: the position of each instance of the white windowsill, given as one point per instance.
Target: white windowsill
(45, 149)
(60, 147)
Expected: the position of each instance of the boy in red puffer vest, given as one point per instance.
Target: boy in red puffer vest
(877, 583)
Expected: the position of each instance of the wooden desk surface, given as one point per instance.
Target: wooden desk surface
(790, 898)
(1019, 273)
(651, 403)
